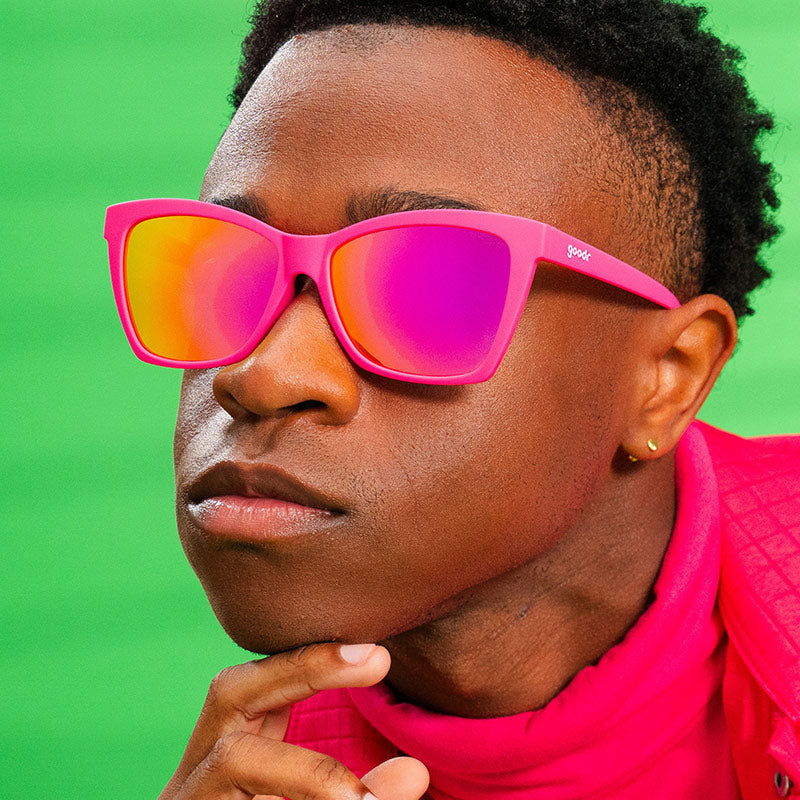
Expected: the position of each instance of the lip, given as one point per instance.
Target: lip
(258, 502)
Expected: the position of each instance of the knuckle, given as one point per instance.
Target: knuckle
(220, 683)
(312, 657)
(227, 752)
(223, 684)
(329, 776)
(303, 672)
(316, 776)
(292, 693)
(298, 657)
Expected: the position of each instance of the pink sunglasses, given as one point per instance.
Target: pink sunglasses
(429, 296)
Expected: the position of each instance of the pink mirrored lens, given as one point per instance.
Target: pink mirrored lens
(423, 299)
(196, 287)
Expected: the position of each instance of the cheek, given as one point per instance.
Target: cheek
(196, 410)
(481, 486)
(549, 428)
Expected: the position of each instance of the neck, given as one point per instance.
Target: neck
(513, 643)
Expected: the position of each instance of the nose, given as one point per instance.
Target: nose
(298, 367)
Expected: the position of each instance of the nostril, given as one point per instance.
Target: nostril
(302, 406)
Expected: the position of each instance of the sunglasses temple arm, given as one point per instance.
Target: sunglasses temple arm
(571, 253)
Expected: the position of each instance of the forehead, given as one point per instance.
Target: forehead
(424, 109)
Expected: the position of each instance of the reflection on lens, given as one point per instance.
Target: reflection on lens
(422, 299)
(196, 287)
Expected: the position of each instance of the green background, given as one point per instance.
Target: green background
(108, 643)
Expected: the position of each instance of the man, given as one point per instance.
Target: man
(532, 537)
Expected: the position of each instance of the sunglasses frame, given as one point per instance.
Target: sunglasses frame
(529, 242)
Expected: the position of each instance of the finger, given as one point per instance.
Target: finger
(401, 778)
(275, 723)
(243, 765)
(240, 697)
(373, 666)
(255, 697)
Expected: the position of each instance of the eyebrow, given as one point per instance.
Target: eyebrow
(246, 203)
(390, 200)
(359, 206)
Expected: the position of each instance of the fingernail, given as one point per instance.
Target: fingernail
(370, 796)
(356, 653)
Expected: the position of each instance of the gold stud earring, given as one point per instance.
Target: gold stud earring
(652, 446)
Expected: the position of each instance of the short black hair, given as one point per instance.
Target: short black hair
(656, 49)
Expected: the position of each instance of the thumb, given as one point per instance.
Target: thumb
(401, 778)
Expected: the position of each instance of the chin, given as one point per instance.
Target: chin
(265, 645)
(267, 608)
(276, 634)
(269, 636)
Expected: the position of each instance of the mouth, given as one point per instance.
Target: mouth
(243, 501)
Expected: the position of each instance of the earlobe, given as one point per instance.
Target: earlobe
(688, 347)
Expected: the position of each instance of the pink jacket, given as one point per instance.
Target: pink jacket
(759, 597)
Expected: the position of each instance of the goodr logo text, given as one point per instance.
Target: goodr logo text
(573, 251)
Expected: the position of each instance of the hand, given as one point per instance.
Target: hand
(236, 750)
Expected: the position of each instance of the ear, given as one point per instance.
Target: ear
(683, 351)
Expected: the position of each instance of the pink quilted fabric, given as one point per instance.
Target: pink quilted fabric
(759, 482)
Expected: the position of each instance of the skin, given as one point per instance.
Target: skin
(497, 539)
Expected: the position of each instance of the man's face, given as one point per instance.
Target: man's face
(444, 488)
